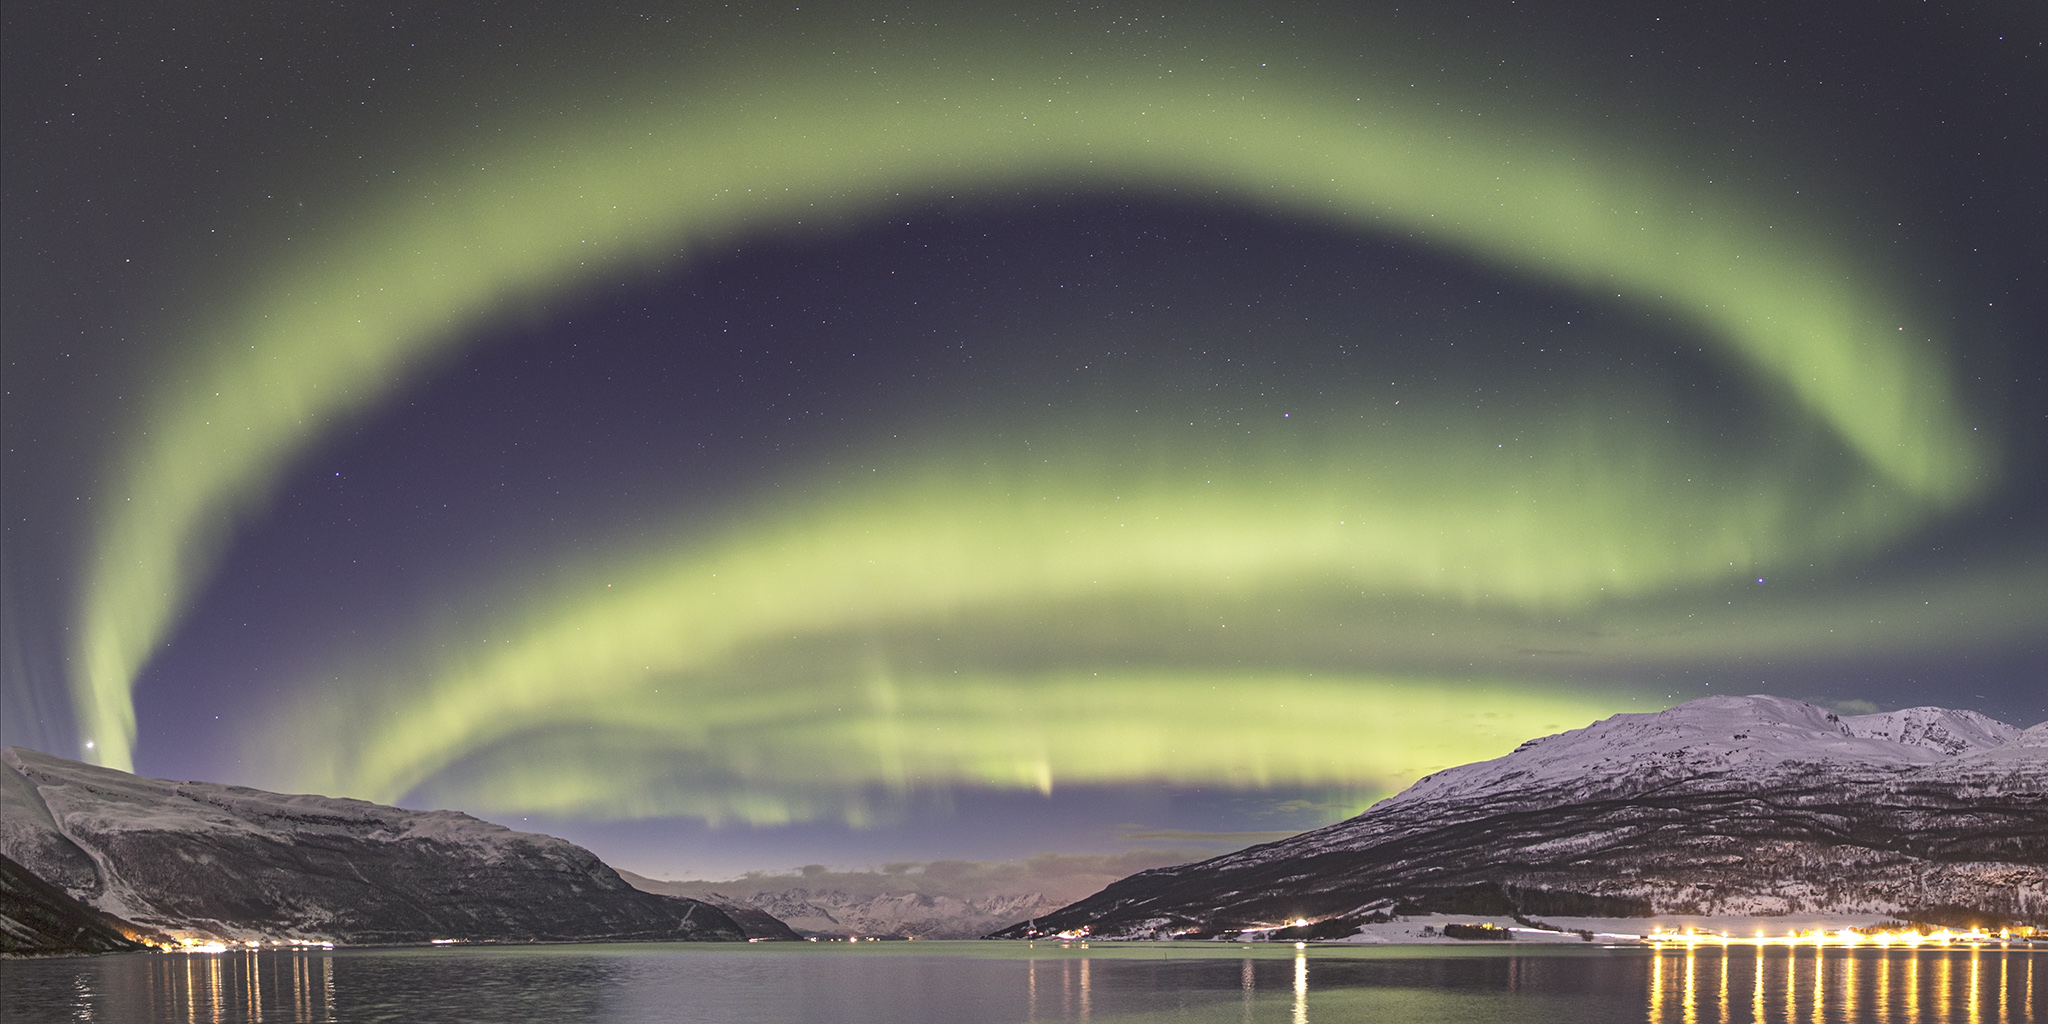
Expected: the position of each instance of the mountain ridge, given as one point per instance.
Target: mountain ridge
(836, 913)
(1742, 805)
(200, 859)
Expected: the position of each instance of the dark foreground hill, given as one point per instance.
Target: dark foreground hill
(1728, 805)
(236, 863)
(39, 919)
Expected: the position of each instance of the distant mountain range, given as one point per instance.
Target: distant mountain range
(838, 913)
(1727, 805)
(940, 899)
(227, 862)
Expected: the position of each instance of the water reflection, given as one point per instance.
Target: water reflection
(295, 987)
(1756, 991)
(1085, 1008)
(1755, 984)
(1001, 983)
(1247, 982)
(1076, 987)
(220, 988)
(1300, 984)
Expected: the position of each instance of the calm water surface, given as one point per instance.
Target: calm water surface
(1004, 982)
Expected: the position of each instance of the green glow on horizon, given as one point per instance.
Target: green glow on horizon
(824, 134)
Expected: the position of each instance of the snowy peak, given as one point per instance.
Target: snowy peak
(1717, 736)
(1728, 805)
(1951, 732)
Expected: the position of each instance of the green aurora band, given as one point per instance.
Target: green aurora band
(790, 661)
(841, 131)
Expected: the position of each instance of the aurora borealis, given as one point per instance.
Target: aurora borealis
(839, 412)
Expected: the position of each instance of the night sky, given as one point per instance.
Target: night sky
(753, 436)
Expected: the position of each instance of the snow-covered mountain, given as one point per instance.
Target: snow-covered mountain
(757, 924)
(940, 899)
(1726, 805)
(836, 912)
(236, 863)
(910, 914)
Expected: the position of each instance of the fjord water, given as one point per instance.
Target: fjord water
(1002, 982)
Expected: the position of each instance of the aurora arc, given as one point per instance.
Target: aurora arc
(680, 647)
(844, 133)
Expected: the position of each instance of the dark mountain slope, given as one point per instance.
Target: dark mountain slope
(39, 919)
(237, 863)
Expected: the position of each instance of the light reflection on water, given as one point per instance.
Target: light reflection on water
(1013, 983)
(1825, 984)
(218, 988)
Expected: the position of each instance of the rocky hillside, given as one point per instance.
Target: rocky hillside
(234, 863)
(1727, 805)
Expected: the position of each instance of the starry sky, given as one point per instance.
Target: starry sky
(735, 437)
